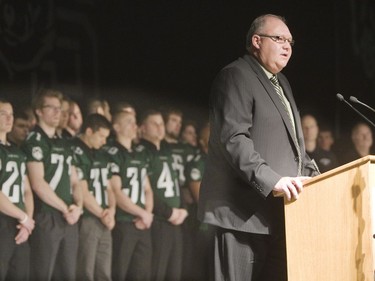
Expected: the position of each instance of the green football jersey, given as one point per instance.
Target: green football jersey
(12, 173)
(56, 156)
(93, 166)
(131, 167)
(182, 154)
(195, 168)
(163, 178)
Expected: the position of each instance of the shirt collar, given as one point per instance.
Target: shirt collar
(269, 74)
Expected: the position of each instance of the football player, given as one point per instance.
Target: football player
(95, 239)
(134, 197)
(167, 253)
(16, 204)
(58, 200)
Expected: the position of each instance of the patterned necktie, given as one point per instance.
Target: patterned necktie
(276, 85)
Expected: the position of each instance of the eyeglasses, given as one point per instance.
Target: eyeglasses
(278, 39)
(52, 107)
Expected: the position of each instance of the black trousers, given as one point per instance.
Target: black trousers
(14, 259)
(54, 246)
(167, 241)
(248, 256)
(132, 252)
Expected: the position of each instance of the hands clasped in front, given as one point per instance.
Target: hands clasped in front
(25, 229)
(72, 214)
(108, 218)
(178, 216)
(290, 187)
(144, 221)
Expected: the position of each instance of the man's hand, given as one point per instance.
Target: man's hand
(139, 224)
(22, 235)
(28, 223)
(290, 187)
(108, 218)
(178, 216)
(147, 219)
(144, 221)
(73, 214)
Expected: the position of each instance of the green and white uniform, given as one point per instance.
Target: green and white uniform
(56, 156)
(163, 178)
(93, 166)
(14, 259)
(132, 248)
(182, 154)
(95, 240)
(54, 242)
(195, 169)
(12, 173)
(167, 253)
(131, 167)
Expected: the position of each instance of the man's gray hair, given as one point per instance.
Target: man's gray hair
(257, 25)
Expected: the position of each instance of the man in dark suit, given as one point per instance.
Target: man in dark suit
(256, 150)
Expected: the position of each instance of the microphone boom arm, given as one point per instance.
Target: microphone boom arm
(355, 100)
(341, 98)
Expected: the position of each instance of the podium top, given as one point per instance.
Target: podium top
(330, 173)
(348, 166)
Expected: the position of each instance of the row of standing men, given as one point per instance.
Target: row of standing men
(130, 215)
(114, 202)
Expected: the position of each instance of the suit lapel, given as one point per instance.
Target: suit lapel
(276, 100)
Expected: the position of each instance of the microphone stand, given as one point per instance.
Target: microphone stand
(341, 98)
(355, 100)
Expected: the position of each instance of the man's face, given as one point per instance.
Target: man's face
(272, 55)
(97, 139)
(310, 128)
(173, 125)
(75, 118)
(6, 117)
(153, 128)
(189, 135)
(50, 112)
(362, 137)
(325, 140)
(20, 129)
(127, 126)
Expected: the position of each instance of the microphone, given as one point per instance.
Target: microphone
(355, 100)
(341, 98)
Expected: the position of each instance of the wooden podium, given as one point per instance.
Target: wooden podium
(329, 229)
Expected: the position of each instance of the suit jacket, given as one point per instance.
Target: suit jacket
(250, 148)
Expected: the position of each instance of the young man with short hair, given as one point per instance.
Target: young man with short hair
(20, 128)
(95, 240)
(167, 253)
(16, 204)
(182, 154)
(132, 248)
(58, 200)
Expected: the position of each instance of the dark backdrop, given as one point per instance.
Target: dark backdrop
(161, 53)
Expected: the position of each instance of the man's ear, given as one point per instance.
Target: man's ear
(89, 132)
(38, 112)
(115, 127)
(256, 41)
